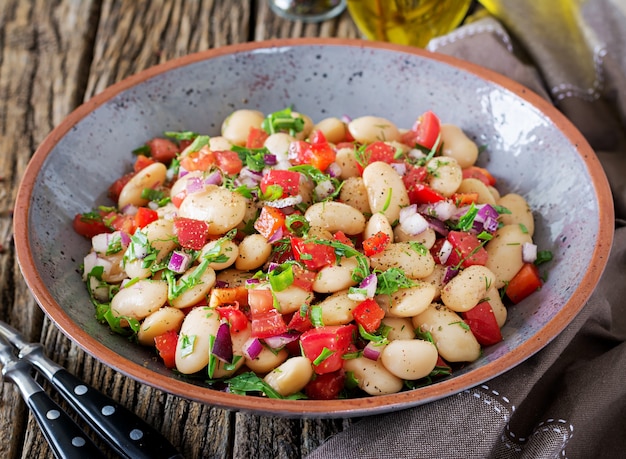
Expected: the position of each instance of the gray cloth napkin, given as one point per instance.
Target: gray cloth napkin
(568, 400)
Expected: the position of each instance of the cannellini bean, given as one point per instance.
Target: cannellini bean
(238, 340)
(336, 277)
(267, 360)
(115, 272)
(254, 250)
(376, 224)
(335, 216)
(152, 176)
(409, 359)
(159, 322)
(227, 248)
(415, 262)
(472, 185)
(333, 129)
(278, 145)
(292, 298)
(373, 377)
(505, 253)
(233, 277)
(346, 158)
(308, 125)
(222, 209)
(408, 302)
(291, 376)
(181, 186)
(160, 236)
(497, 306)
(354, 194)
(445, 175)
(427, 238)
(192, 349)
(400, 328)
(467, 288)
(454, 340)
(219, 143)
(520, 212)
(494, 192)
(386, 192)
(337, 308)
(201, 289)
(237, 125)
(458, 146)
(139, 299)
(436, 279)
(368, 129)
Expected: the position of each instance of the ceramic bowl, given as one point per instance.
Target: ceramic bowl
(531, 148)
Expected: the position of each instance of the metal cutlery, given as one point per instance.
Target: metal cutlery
(128, 434)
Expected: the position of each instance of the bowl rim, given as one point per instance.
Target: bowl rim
(308, 408)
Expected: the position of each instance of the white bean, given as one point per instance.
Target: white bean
(192, 349)
(467, 288)
(237, 125)
(278, 145)
(472, 185)
(335, 216)
(386, 192)
(376, 224)
(220, 208)
(373, 377)
(458, 146)
(427, 238)
(409, 359)
(346, 158)
(233, 277)
(291, 376)
(254, 250)
(497, 306)
(454, 341)
(416, 262)
(194, 294)
(308, 125)
(150, 177)
(333, 129)
(159, 322)
(267, 360)
(444, 175)
(292, 298)
(337, 309)
(409, 302)
(354, 194)
(520, 212)
(336, 277)
(139, 299)
(400, 328)
(238, 339)
(505, 253)
(227, 248)
(368, 129)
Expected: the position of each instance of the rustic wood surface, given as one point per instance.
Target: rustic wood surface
(55, 54)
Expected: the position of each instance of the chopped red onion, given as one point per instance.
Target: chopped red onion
(129, 209)
(529, 252)
(407, 211)
(437, 225)
(324, 189)
(449, 274)
(366, 289)
(251, 348)
(441, 210)
(270, 159)
(415, 153)
(247, 173)
(444, 251)
(100, 242)
(221, 284)
(179, 261)
(491, 224)
(214, 178)
(276, 236)
(272, 266)
(278, 341)
(400, 168)
(89, 262)
(373, 350)
(486, 211)
(411, 222)
(223, 345)
(194, 184)
(345, 118)
(182, 172)
(284, 202)
(334, 170)
(125, 237)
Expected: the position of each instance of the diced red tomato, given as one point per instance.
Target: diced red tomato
(318, 152)
(260, 300)
(479, 173)
(142, 162)
(368, 314)
(313, 256)
(191, 234)
(116, 187)
(303, 278)
(235, 317)
(525, 282)
(341, 237)
(269, 221)
(145, 216)
(88, 225)
(377, 151)
(335, 338)
(166, 347)
(376, 243)
(228, 161)
(322, 156)
(466, 250)
(464, 199)
(178, 198)
(414, 175)
(266, 324)
(256, 138)
(423, 194)
(201, 160)
(121, 222)
(289, 181)
(299, 322)
(162, 150)
(326, 386)
(424, 132)
(434, 250)
(483, 324)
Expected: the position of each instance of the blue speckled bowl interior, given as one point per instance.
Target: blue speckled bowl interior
(530, 148)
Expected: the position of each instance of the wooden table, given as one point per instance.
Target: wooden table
(55, 54)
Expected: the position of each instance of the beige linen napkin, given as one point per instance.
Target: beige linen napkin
(569, 400)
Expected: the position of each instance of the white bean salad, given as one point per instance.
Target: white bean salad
(290, 259)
